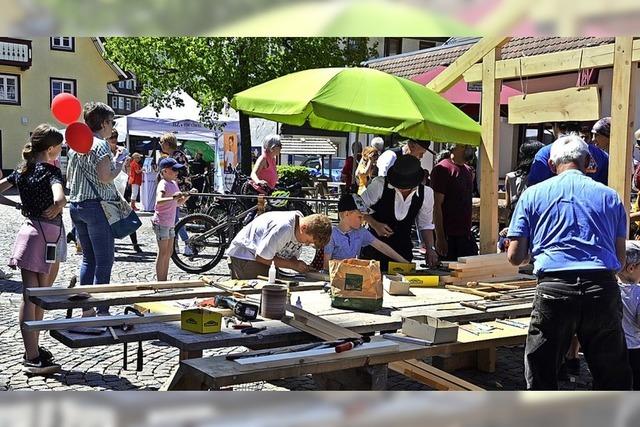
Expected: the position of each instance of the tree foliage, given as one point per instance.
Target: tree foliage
(213, 68)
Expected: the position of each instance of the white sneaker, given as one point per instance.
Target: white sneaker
(187, 251)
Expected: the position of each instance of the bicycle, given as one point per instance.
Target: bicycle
(211, 233)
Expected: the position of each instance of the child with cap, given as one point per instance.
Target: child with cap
(168, 199)
(348, 237)
(276, 237)
(628, 279)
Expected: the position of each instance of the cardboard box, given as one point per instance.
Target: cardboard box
(401, 267)
(395, 286)
(430, 329)
(201, 320)
(422, 281)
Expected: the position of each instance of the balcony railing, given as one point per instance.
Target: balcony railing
(15, 52)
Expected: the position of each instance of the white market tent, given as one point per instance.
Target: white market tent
(183, 121)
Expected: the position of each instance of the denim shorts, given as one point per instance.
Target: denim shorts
(163, 232)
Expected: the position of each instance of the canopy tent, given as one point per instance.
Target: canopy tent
(183, 121)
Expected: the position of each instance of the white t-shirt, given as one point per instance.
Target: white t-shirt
(424, 220)
(385, 161)
(267, 236)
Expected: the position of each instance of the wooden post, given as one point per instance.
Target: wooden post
(489, 153)
(622, 119)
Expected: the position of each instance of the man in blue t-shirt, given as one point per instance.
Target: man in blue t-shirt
(575, 229)
(597, 169)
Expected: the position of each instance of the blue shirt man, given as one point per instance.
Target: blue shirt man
(571, 222)
(598, 168)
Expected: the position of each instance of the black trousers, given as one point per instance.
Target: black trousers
(459, 246)
(586, 303)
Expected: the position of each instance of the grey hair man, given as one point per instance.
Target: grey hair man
(575, 229)
(378, 144)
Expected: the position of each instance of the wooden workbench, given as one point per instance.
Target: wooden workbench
(436, 302)
(216, 372)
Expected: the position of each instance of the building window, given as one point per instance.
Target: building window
(426, 44)
(137, 104)
(128, 101)
(129, 84)
(392, 46)
(121, 84)
(63, 43)
(62, 85)
(114, 102)
(9, 89)
(121, 103)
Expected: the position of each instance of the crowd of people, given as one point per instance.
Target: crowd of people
(564, 220)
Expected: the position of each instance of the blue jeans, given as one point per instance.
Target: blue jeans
(97, 242)
(183, 231)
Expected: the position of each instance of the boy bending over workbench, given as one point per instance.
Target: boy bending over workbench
(276, 237)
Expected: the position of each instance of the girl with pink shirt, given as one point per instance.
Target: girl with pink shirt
(168, 199)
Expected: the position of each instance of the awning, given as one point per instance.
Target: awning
(459, 93)
(308, 146)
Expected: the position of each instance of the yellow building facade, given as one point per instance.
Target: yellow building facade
(32, 71)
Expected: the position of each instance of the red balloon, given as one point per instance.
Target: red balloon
(79, 137)
(66, 108)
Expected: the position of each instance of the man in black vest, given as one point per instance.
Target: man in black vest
(398, 201)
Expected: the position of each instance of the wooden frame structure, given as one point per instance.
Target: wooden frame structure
(623, 56)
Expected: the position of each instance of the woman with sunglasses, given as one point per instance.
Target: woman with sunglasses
(91, 178)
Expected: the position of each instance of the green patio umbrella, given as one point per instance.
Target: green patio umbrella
(359, 99)
(193, 147)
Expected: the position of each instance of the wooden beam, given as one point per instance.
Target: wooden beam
(622, 119)
(453, 73)
(579, 104)
(94, 289)
(97, 322)
(552, 63)
(489, 153)
(431, 376)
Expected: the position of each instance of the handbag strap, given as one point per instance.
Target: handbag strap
(86, 177)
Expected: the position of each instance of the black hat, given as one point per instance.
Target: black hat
(405, 173)
(423, 144)
(352, 202)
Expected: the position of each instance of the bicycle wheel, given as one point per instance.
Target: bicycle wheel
(205, 247)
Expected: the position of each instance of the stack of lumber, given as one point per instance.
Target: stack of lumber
(479, 268)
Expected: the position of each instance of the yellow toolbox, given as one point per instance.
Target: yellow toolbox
(201, 320)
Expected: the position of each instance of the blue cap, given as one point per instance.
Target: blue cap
(170, 163)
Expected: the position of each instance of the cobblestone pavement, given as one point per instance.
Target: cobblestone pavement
(100, 368)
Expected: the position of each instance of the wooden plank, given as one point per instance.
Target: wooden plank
(97, 322)
(623, 108)
(319, 323)
(90, 289)
(453, 73)
(306, 328)
(572, 104)
(484, 259)
(489, 272)
(489, 153)
(472, 291)
(553, 63)
(317, 355)
(442, 380)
